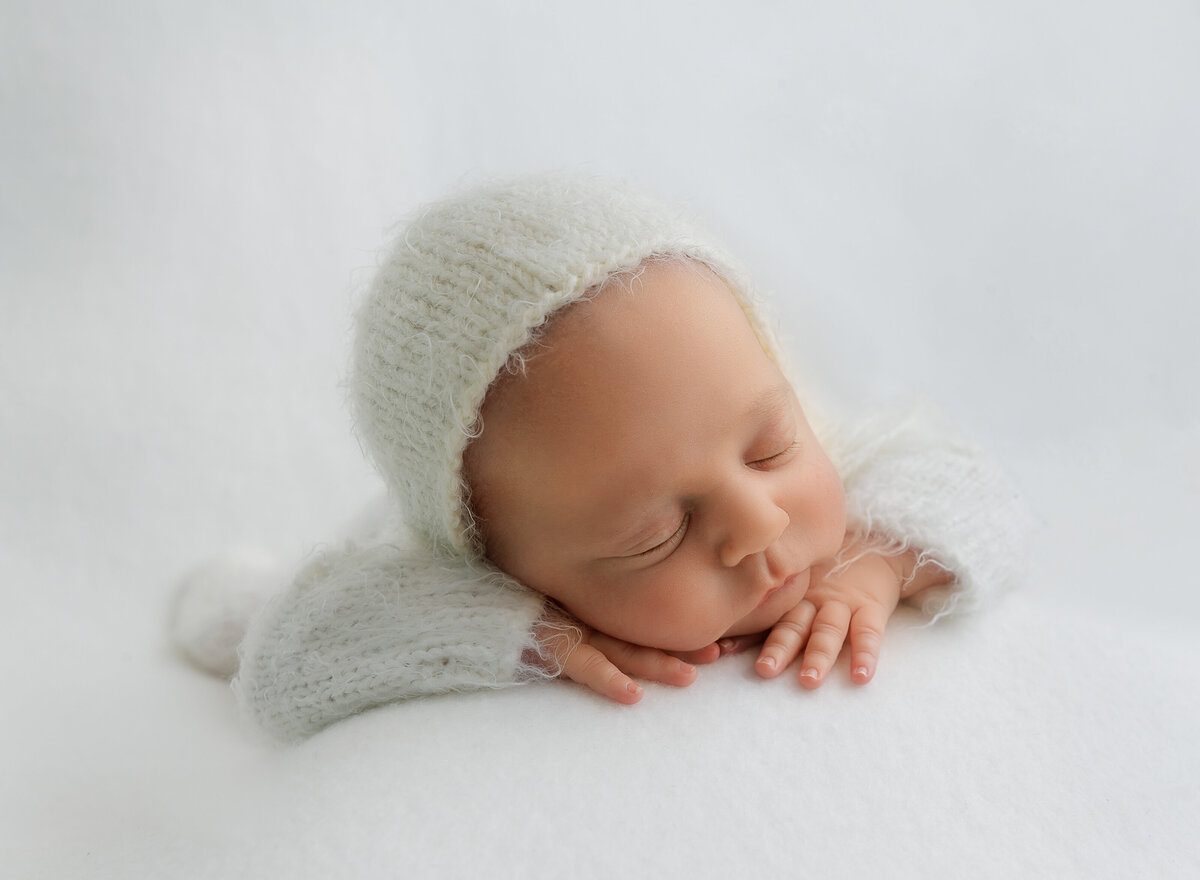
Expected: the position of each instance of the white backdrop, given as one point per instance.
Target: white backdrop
(991, 205)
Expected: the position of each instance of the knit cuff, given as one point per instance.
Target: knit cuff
(364, 626)
(912, 485)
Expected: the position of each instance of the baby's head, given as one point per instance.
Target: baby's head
(566, 377)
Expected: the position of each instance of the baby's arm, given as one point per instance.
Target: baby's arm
(931, 518)
(365, 625)
(361, 626)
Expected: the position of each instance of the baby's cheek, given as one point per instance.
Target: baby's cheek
(837, 518)
(621, 612)
(831, 500)
(672, 622)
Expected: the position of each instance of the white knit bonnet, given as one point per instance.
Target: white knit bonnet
(467, 283)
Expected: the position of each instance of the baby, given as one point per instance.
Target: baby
(603, 473)
(651, 469)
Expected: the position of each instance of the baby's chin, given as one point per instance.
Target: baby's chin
(741, 629)
(752, 625)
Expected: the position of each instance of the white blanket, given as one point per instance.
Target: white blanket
(991, 203)
(1031, 742)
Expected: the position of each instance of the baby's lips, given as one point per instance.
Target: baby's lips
(768, 594)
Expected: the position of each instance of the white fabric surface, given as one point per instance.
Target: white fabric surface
(993, 204)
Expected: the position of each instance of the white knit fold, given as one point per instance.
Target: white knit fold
(361, 626)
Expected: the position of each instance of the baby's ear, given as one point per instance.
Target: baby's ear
(214, 603)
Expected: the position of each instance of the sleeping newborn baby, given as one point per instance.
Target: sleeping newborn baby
(600, 470)
(650, 468)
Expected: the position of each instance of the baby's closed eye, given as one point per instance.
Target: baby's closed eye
(777, 458)
(666, 545)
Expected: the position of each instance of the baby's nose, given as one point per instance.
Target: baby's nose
(754, 525)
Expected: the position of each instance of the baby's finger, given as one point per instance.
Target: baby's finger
(785, 640)
(866, 637)
(648, 663)
(590, 668)
(825, 642)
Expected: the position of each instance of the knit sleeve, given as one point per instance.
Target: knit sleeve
(912, 485)
(366, 625)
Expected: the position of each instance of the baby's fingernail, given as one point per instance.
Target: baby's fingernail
(810, 673)
(633, 688)
(767, 662)
(862, 671)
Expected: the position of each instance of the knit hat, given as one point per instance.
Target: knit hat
(467, 284)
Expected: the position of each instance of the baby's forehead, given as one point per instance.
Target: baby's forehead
(627, 300)
(672, 335)
(625, 312)
(661, 300)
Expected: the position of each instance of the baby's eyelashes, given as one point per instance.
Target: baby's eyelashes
(667, 545)
(778, 458)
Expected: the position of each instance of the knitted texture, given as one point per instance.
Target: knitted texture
(364, 626)
(215, 602)
(467, 284)
(912, 485)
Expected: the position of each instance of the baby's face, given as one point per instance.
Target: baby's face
(652, 469)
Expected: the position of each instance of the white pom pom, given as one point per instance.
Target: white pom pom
(215, 602)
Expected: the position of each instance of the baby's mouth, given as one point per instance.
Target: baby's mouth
(767, 596)
(787, 583)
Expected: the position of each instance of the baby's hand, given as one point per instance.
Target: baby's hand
(853, 601)
(604, 664)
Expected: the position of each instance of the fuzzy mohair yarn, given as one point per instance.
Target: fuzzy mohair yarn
(214, 603)
(467, 284)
